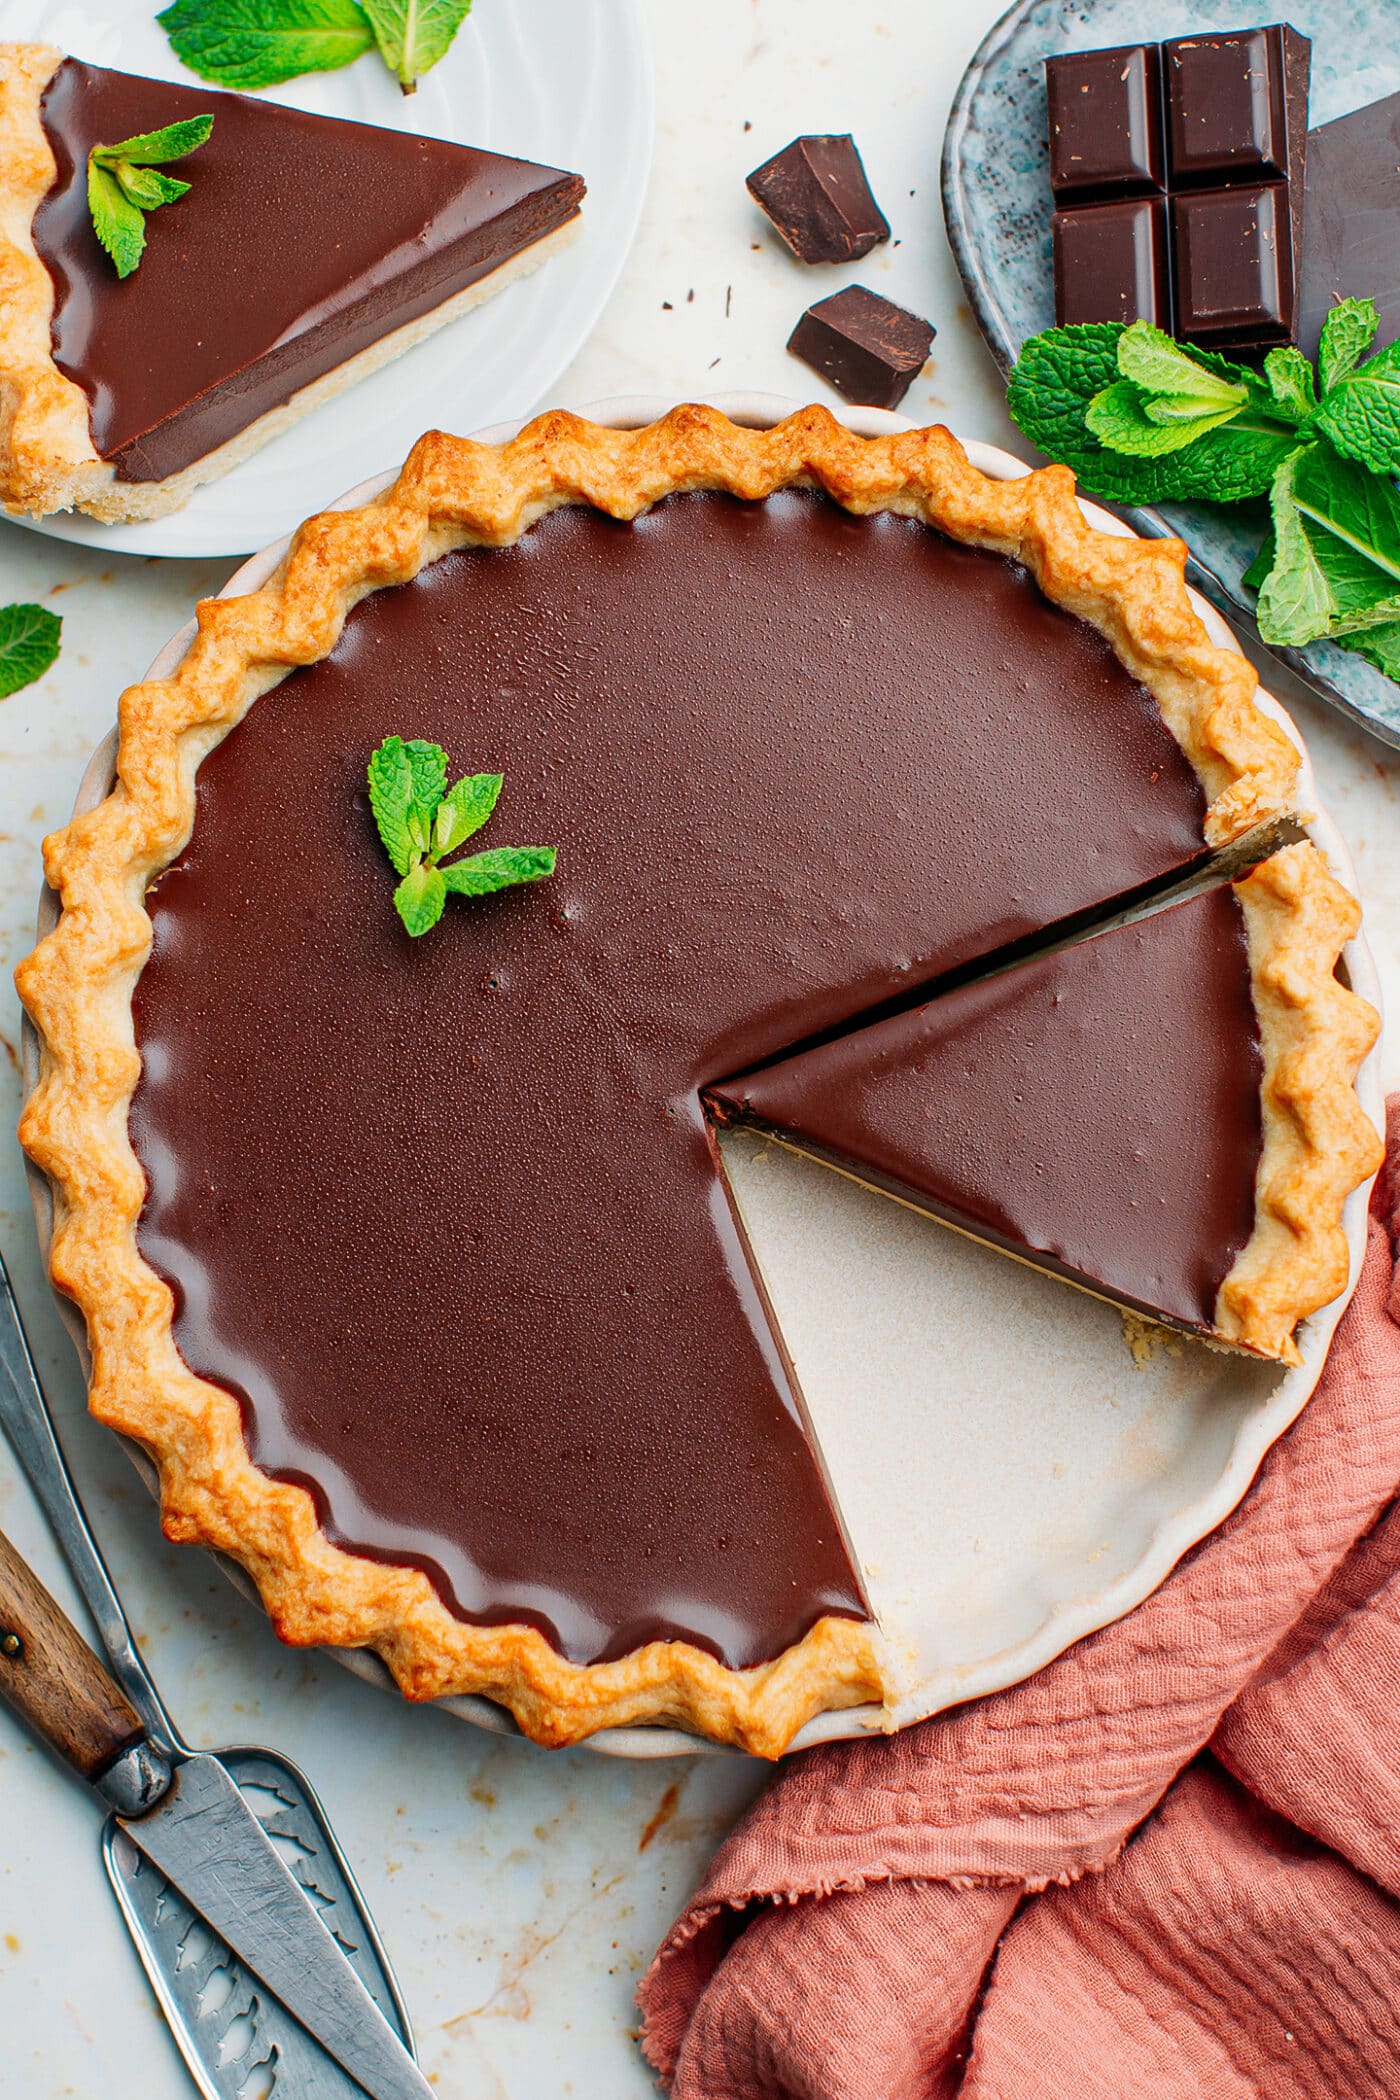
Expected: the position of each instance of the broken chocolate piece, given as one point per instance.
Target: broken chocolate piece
(1234, 267)
(816, 194)
(1111, 263)
(1352, 243)
(1105, 123)
(1237, 106)
(868, 348)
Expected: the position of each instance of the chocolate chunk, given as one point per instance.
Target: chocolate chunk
(1234, 267)
(816, 193)
(1352, 210)
(868, 348)
(1237, 106)
(1105, 123)
(1111, 263)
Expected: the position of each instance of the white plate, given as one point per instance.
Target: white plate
(1011, 1479)
(567, 82)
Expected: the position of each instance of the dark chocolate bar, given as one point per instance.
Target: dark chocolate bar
(816, 194)
(1352, 210)
(1105, 111)
(867, 347)
(1179, 182)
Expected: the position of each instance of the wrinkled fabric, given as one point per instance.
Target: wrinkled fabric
(1167, 1866)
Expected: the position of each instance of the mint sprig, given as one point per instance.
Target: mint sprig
(29, 639)
(421, 820)
(1143, 419)
(258, 43)
(123, 185)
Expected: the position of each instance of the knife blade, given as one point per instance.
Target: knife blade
(204, 1838)
(191, 1821)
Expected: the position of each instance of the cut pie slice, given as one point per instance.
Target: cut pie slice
(306, 254)
(412, 1259)
(1163, 1114)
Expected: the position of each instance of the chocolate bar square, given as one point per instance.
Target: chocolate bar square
(1111, 263)
(1233, 278)
(1237, 106)
(1105, 110)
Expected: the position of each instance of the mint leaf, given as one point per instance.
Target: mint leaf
(427, 765)
(414, 34)
(1347, 334)
(1126, 420)
(119, 224)
(123, 185)
(1161, 366)
(464, 809)
(150, 148)
(390, 797)
(499, 869)
(147, 188)
(1057, 376)
(420, 898)
(29, 636)
(1295, 602)
(1253, 577)
(1379, 645)
(257, 43)
(1337, 564)
(1361, 414)
(1290, 378)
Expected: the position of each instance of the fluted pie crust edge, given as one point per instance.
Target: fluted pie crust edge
(77, 988)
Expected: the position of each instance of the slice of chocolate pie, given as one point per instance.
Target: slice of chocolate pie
(307, 252)
(1163, 1113)
(412, 1259)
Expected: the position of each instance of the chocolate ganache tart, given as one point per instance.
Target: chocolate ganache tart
(412, 1262)
(308, 252)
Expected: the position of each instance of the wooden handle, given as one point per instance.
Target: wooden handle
(52, 1679)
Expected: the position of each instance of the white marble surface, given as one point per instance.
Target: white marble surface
(520, 1893)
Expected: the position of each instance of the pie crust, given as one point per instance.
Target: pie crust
(77, 988)
(48, 461)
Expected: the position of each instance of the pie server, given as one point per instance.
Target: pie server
(247, 1966)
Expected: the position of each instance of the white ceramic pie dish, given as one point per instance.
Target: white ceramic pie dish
(1011, 1478)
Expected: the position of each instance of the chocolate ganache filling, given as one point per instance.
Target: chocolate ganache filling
(446, 1214)
(1094, 1111)
(302, 240)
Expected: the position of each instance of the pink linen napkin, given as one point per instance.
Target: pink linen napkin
(1166, 1868)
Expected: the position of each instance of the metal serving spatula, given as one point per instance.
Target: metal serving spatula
(266, 1915)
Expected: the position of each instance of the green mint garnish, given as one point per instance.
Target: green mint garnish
(1143, 419)
(28, 645)
(258, 43)
(421, 820)
(123, 185)
(414, 34)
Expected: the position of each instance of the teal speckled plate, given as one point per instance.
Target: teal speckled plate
(996, 200)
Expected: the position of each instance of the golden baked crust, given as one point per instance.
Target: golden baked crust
(47, 459)
(1319, 1143)
(77, 987)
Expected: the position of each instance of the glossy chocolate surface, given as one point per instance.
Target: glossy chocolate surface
(1228, 114)
(1234, 267)
(302, 240)
(1105, 111)
(1113, 263)
(1096, 1111)
(445, 1213)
